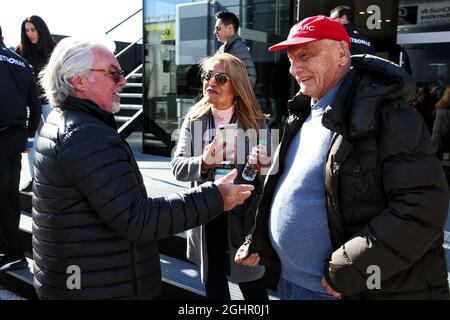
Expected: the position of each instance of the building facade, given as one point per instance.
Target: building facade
(179, 33)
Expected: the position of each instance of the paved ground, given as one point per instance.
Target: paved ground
(8, 295)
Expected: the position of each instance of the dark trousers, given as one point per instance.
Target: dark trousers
(216, 283)
(12, 143)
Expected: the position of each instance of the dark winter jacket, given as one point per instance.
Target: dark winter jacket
(387, 196)
(17, 91)
(90, 210)
(38, 61)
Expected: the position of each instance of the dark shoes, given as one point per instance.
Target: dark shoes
(28, 187)
(7, 264)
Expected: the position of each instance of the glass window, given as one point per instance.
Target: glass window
(179, 33)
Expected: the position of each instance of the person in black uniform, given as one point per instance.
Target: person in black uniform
(359, 44)
(17, 91)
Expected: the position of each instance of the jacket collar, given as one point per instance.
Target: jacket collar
(372, 81)
(91, 108)
(299, 105)
(230, 42)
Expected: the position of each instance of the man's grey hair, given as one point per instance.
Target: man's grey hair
(71, 57)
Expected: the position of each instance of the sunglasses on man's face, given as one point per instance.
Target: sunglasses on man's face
(220, 77)
(115, 73)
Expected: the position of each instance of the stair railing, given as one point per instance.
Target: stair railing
(128, 127)
(123, 21)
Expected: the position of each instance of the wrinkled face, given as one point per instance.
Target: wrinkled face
(317, 66)
(220, 95)
(101, 86)
(31, 32)
(223, 33)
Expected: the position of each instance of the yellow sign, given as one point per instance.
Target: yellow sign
(167, 30)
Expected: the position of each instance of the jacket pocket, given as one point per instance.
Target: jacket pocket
(358, 181)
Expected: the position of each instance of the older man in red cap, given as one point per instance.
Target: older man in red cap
(358, 206)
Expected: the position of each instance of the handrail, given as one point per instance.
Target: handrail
(133, 72)
(123, 21)
(128, 47)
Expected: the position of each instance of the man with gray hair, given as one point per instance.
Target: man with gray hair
(91, 213)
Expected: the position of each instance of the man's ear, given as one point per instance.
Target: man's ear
(230, 28)
(343, 53)
(78, 82)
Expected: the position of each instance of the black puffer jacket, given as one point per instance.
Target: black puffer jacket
(90, 210)
(387, 197)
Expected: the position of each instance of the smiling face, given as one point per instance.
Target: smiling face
(31, 32)
(221, 96)
(318, 66)
(99, 86)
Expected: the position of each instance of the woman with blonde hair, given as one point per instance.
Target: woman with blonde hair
(228, 98)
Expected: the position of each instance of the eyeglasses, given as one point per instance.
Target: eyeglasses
(115, 73)
(220, 77)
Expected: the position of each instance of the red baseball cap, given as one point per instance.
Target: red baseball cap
(313, 29)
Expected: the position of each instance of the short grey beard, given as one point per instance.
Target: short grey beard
(115, 107)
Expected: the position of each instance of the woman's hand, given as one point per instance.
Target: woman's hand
(259, 158)
(213, 154)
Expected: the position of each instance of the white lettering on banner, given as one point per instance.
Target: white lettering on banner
(360, 41)
(307, 28)
(374, 21)
(12, 61)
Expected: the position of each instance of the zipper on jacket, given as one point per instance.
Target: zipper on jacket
(248, 240)
(334, 167)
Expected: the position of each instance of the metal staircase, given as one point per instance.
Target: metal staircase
(129, 118)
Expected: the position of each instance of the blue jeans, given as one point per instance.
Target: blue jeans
(290, 291)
